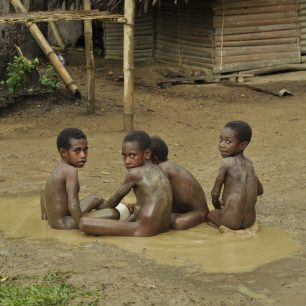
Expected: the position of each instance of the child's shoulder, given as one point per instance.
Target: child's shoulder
(229, 161)
(66, 169)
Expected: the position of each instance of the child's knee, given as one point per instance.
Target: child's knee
(83, 223)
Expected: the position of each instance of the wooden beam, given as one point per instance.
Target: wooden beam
(47, 16)
(128, 65)
(90, 64)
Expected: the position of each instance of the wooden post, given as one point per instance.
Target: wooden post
(90, 65)
(49, 52)
(57, 35)
(128, 65)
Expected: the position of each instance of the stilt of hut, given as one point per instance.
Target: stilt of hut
(90, 64)
(128, 65)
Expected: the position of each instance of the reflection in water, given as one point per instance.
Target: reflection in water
(202, 245)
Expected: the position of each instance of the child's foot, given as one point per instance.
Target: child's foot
(250, 230)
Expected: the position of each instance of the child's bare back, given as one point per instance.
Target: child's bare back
(240, 192)
(188, 196)
(189, 206)
(236, 208)
(56, 197)
(60, 203)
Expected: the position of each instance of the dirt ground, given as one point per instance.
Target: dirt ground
(189, 118)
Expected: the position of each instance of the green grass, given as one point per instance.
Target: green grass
(51, 290)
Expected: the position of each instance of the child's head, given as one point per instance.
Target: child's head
(159, 150)
(234, 138)
(136, 149)
(72, 146)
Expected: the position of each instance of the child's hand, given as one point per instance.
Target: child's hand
(131, 208)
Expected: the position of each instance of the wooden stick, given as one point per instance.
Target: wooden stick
(46, 48)
(90, 65)
(47, 16)
(128, 65)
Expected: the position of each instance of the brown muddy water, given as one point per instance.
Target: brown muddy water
(202, 245)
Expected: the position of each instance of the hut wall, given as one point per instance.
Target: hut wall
(143, 38)
(71, 30)
(252, 34)
(302, 22)
(184, 33)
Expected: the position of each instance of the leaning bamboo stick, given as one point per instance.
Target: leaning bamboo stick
(57, 35)
(90, 65)
(128, 65)
(46, 48)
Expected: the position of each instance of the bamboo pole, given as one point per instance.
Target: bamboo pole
(57, 35)
(46, 48)
(47, 16)
(128, 65)
(90, 65)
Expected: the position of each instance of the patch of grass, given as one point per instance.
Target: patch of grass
(51, 290)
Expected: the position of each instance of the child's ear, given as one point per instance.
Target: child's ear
(243, 145)
(62, 152)
(147, 154)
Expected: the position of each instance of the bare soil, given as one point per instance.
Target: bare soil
(189, 118)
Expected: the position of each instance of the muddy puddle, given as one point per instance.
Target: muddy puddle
(202, 245)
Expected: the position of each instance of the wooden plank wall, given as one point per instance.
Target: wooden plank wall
(252, 34)
(302, 22)
(113, 38)
(184, 33)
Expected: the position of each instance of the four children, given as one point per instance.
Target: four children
(167, 195)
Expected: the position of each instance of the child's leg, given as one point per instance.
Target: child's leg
(187, 220)
(214, 218)
(105, 213)
(229, 218)
(90, 202)
(43, 214)
(103, 227)
(65, 223)
(121, 212)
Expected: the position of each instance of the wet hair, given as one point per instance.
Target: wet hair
(159, 148)
(141, 137)
(242, 128)
(63, 138)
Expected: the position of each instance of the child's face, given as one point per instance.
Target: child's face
(229, 144)
(133, 156)
(76, 155)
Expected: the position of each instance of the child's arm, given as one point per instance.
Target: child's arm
(129, 182)
(72, 188)
(215, 193)
(260, 187)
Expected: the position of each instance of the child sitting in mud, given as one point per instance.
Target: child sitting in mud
(236, 209)
(60, 203)
(189, 203)
(152, 190)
